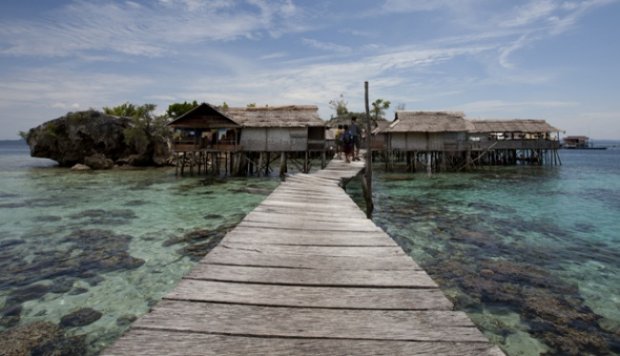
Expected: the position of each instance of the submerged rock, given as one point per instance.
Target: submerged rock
(40, 338)
(126, 320)
(80, 317)
(553, 309)
(199, 242)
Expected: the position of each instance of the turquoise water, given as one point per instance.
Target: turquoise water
(113, 241)
(531, 253)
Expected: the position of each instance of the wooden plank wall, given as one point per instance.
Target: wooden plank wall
(306, 273)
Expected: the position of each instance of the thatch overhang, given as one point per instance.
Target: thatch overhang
(277, 116)
(429, 121)
(204, 116)
(381, 127)
(516, 125)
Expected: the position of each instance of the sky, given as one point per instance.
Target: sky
(491, 59)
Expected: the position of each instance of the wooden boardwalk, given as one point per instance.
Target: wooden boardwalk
(305, 273)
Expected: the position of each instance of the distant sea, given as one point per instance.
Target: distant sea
(532, 254)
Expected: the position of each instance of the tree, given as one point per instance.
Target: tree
(339, 105)
(251, 105)
(144, 124)
(400, 107)
(378, 108)
(223, 107)
(177, 109)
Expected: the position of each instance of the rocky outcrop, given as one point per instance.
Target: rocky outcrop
(96, 140)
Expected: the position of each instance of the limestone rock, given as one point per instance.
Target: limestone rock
(80, 167)
(97, 140)
(98, 161)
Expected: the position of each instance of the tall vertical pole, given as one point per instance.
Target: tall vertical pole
(368, 169)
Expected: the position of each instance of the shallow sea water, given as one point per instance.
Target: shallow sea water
(531, 253)
(104, 240)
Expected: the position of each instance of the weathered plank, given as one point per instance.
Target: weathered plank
(252, 320)
(140, 342)
(300, 237)
(318, 277)
(319, 212)
(303, 218)
(369, 251)
(317, 297)
(306, 273)
(253, 258)
(308, 225)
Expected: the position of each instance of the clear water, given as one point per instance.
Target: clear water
(104, 240)
(531, 253)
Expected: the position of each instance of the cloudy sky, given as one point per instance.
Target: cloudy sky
(549, 59)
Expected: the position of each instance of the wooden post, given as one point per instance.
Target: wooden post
(368, 169)
(306, 163)
(282, 165)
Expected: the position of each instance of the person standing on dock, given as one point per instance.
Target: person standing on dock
(347, 143)
(355, 131)
(338, 138)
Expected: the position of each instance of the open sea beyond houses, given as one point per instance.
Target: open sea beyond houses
(532, 254)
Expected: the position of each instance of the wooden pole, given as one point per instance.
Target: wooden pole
(368, 170)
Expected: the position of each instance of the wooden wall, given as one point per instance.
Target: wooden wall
(294, 139)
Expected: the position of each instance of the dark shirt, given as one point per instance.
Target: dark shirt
(355, 131)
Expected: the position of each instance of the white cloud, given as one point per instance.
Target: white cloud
(505, 52)
(145, 30)
(531, 12)
(326, 46)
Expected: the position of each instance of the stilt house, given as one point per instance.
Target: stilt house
(247, 140)
(515, 141)
(427, 131)
(294, 128)
(431, 139)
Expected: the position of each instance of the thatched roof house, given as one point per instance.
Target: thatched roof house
(427, 131)
(277, 116)
(204, 116)
(429, 121)
(291, 128)
(512, 126)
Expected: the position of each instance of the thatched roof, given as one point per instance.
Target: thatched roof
(276, 116)
(429, 121)
(381, 127)
(204, 116)
(525, 126)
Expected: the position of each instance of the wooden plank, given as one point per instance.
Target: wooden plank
(251, 320)
(306, 273)
(305, 218)
(308, 225)
(316, 297)
(253, 258)
(140, 342)
(311, 251)
(297, 237)
(318, 277)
